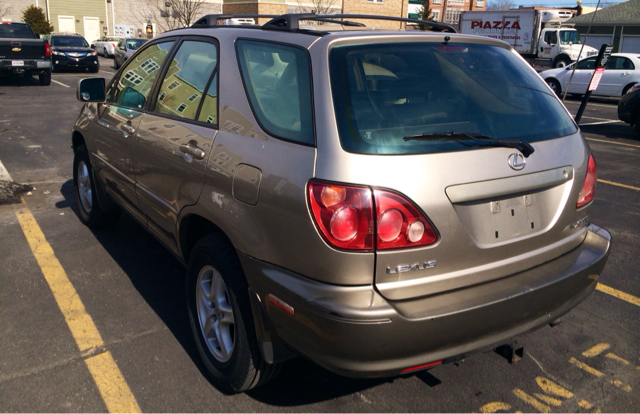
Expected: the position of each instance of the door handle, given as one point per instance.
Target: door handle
(191, 149)
(128, 129)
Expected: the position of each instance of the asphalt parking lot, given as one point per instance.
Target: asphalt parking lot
(73, 300)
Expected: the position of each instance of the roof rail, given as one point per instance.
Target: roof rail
(211, 20)
(291, 22)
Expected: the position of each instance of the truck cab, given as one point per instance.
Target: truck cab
(562, 45)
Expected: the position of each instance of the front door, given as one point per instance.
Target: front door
(117, 122)
(581, 77)
(174, 139)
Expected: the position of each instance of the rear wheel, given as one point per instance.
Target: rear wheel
(45, 78)
(221, 317)
(85, 189)
(554, 85)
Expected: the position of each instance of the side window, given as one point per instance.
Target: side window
(277, 82)
(587, 63)
(136, 80)
(620, 63)
(187, 78)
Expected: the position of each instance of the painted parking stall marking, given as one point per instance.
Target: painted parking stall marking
(613, 142)
(111, 384)
(60, 83)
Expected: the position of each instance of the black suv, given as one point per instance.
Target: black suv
(72, 52)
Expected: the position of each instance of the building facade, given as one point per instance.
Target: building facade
(447, 11)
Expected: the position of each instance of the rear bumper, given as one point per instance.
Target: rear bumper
(355, 332)
(8, 67)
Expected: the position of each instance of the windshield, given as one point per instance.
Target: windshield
(385, 92)
(134, 44)
(68, 41)
(16, 31)
(569, 36)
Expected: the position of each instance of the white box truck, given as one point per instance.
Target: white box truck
(535, 34)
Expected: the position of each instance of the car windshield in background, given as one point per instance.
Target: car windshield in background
(15, 31)
(71, 41)
(135, 44)
(569, 36)
(385, 92)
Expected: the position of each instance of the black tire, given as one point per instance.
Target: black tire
(243, 367)
(554, 85)
(637, 124)
(95, 69)
(86, 193)
(626, 89)
(561, 62)
(45, 78)
(116, 65)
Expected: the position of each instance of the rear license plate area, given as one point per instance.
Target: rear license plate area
(17, 63)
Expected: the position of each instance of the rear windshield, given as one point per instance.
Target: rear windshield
(385, 92)
(16, 31)
(134, 44)
(70, 41)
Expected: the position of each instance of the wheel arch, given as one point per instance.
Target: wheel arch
(192, 228)
(77, 139)
(561, 56)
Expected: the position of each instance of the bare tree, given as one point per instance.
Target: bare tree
(500, 5)
(171, 14)
(317, 7)
(4, 10)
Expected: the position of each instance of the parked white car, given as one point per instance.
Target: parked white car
(621, 73)
(106, 44)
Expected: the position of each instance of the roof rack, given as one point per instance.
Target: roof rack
(291, 22)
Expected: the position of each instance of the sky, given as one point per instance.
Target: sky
(563, 3)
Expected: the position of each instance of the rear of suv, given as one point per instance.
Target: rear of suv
(377, 201)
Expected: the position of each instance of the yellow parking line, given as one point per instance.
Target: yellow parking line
(551, 387)
(613, 142)
(493, 407)
(618, 294)
(585, 367)
(540, 407)
(113, 388)
(616, 358)
(619, 185)
(596, 350)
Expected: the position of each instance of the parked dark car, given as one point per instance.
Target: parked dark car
(124, 50)
(72, 52)
(23, 53)
(629, 108)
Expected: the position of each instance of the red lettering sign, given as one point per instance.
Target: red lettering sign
(516, 25)
(476, 23)
(487, 25)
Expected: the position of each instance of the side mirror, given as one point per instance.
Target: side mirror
(91, 90)
(122, 48)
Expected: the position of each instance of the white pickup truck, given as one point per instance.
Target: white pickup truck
(532, 33)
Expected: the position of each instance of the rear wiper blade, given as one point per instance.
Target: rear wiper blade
(522, 146)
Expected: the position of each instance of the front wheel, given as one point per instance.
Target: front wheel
(221, 317)
(561, 62)
(85, 189)
(554, 85)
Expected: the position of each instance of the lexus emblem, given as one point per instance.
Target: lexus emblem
(516, 161)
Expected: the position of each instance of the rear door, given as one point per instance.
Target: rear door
(174, 139)
(618, 74)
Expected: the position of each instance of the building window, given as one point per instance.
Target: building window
(193, 97)
(173, 85)
(437, 1)
(133, 78)
(456, 2)
(182, 107)
(435, 15)
(149, 66)
(453, 16)
(479, 3)
(375, 1)
(162, 96)
(210, 120)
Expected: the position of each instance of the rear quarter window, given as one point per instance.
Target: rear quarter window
(278, 85)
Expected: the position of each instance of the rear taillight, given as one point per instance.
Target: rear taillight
(400, 223)
(589, 186)
(344, 216)
(47, 49)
